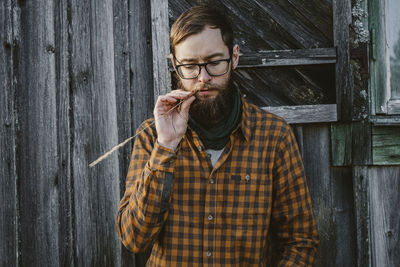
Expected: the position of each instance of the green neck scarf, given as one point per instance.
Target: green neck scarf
(217, 136)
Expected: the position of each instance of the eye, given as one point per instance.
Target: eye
(189, 67)
(214, 63)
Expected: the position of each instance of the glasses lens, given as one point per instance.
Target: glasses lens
(214, 68)
(188, 71)
(217, 67)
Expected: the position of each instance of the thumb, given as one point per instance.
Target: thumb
(186, 104)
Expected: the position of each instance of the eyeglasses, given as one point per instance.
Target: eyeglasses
(213, 68)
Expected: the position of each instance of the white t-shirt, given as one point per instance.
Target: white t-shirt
(214, 155)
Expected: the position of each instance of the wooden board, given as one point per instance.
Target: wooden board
(130, 68)
(96, 191)
(362, 214)
(306, 113)
(37, 146)
(160, 44)
(273, 58)
(8, 177)
(344, 73)
(384, 199)
(63, 101)
(331, 193)
(386, 145)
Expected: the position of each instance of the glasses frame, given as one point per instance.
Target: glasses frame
(205, 67)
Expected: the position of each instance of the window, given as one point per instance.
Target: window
(385, 56)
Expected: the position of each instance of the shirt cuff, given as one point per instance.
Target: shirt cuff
(162, 158)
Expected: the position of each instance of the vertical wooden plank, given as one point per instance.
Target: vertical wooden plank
(341, 141)
(8, 177)
(316, 162)
(379, 66)
(343, 217)
(94, 131)
(141, 77)
(141, 53)
(160, 42)
(331, 193)
(362, 143)
(63, 178)
(360, 182)
(37, 152)
(298, 132)
(344, 74)
(384, 199)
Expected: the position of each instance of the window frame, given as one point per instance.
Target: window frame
(382, 100)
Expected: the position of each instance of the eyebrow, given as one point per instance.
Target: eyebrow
(190, 60)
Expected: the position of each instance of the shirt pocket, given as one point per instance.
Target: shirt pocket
(244, 200)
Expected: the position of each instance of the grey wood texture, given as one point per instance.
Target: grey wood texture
(124, 54)
(63, 100)
(142, 92)
(37, 150)
(96, 191)
(332, 199)
(288, 58)
(362, 214)
(305, 114)
(160, 44)
(344, 74)
(8, 175)
(384, 199)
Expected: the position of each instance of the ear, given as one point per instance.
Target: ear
(171, 57)
(235, 56)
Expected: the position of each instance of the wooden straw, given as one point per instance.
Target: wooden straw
(107, 154)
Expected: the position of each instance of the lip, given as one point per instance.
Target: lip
(207, 92)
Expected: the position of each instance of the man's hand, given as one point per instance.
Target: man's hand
(171, 125)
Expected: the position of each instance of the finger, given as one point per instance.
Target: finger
(186, 104)
(179, 94)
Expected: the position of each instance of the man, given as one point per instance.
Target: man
(216, 181)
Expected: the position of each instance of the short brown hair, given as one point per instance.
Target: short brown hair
(194, 20)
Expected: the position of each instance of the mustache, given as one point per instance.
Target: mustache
(203, 87)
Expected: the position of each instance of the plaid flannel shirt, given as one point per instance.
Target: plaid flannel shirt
(252, 208)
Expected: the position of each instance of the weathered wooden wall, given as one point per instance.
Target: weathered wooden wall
(77, 77)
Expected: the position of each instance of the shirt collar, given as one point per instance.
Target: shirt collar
(245, 125)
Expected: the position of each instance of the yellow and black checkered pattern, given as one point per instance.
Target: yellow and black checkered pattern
(252, 209)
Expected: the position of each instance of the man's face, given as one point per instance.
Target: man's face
(214, 90)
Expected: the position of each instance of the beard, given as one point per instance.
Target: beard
(209, 111)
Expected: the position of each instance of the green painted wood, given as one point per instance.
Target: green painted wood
(361, 143)
(351, 144)
(341, 142)
(378, 65)
(386, 145)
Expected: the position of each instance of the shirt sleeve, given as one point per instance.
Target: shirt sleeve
(292, 216)
(144, 207)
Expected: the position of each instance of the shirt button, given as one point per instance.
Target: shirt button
(212, 181)
(208, 253)
(247, 178)
(210, 217)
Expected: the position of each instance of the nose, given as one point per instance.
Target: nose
(204, 76)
